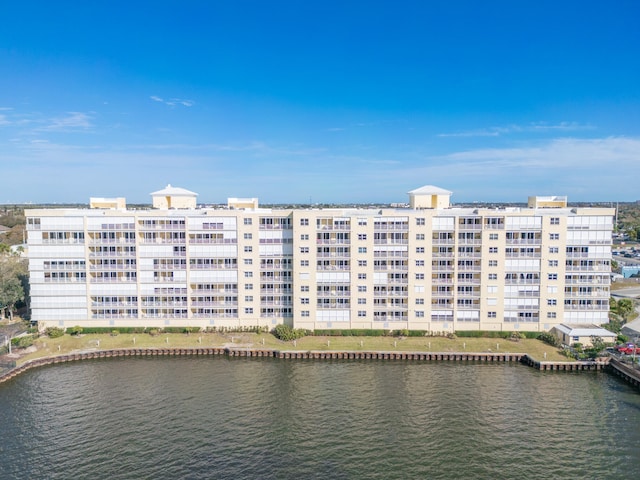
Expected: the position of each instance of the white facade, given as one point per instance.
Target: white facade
(434, 269)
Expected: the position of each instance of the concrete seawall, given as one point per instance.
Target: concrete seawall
(306, 355)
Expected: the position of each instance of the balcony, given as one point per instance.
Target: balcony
(522, 255)
(592, 268)
(595, 308)
(111, 268)
(333, 241)
(443, 241)
(214, 315)
(213, 241)
(392, 254)
(522, 282)
(391, 293)
(327, 268)
(524, 241)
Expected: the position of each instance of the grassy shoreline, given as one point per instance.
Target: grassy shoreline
(49, 347)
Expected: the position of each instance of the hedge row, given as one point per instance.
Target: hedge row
(493, 334)
(350, 333)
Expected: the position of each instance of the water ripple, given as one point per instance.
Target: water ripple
(194, 418)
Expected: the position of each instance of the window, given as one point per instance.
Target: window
(248, 249)
(362, 222)
(362, 313)
(304, 313)
(493, 263)
(247, 221)
(362, 301)
(304, 288)
(552, 276)
(419, 249)
(491, 314)
(248, 286)
(552, 289)
(248, 310)
(552, 301)
(555, 221)
(493, 249)
(419, 263)
(419, 313)
(362, 263)
(304, 301)
(553, 249)
(248, 261)
(553, 263)
(304, 263)
(493, 236)
(419, 236)
(248, 274)
(492, 289)
(419, 276)
(362, 236)
(551, 314)
(554, 236)
(304, 236)
(304, 222)
(248, 236)
(362, 249)
(362, 276)
(493, 276)
(248, 298)
(419, 301)
(420, 221)
(304, 249)
(362, 288)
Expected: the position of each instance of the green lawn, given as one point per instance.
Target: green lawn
(68, 344)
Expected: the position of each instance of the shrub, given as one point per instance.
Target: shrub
(154, 331)
(114, 332)
(54, 332)
(22, 342)
(516, 336)
(181, 329)
(548, 338)
(77, 330)
(287, 333)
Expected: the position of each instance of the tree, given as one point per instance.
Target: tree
(625, 308)
(13, 271)
(11, 292)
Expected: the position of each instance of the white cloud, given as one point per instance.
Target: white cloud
(173, 101)
(584, 169)
(531, 127)
(73, 121)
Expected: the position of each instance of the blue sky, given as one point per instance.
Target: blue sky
(332, 101)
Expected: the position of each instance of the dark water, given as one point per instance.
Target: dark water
(188, 418)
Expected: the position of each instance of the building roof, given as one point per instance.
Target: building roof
(173, 191)
(430, 190)
(579, 330)
(632, 329)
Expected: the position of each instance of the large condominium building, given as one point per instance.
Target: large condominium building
(428, 266)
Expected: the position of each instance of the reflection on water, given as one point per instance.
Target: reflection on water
(267, 418)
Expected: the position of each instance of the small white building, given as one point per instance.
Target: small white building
(571, 334)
